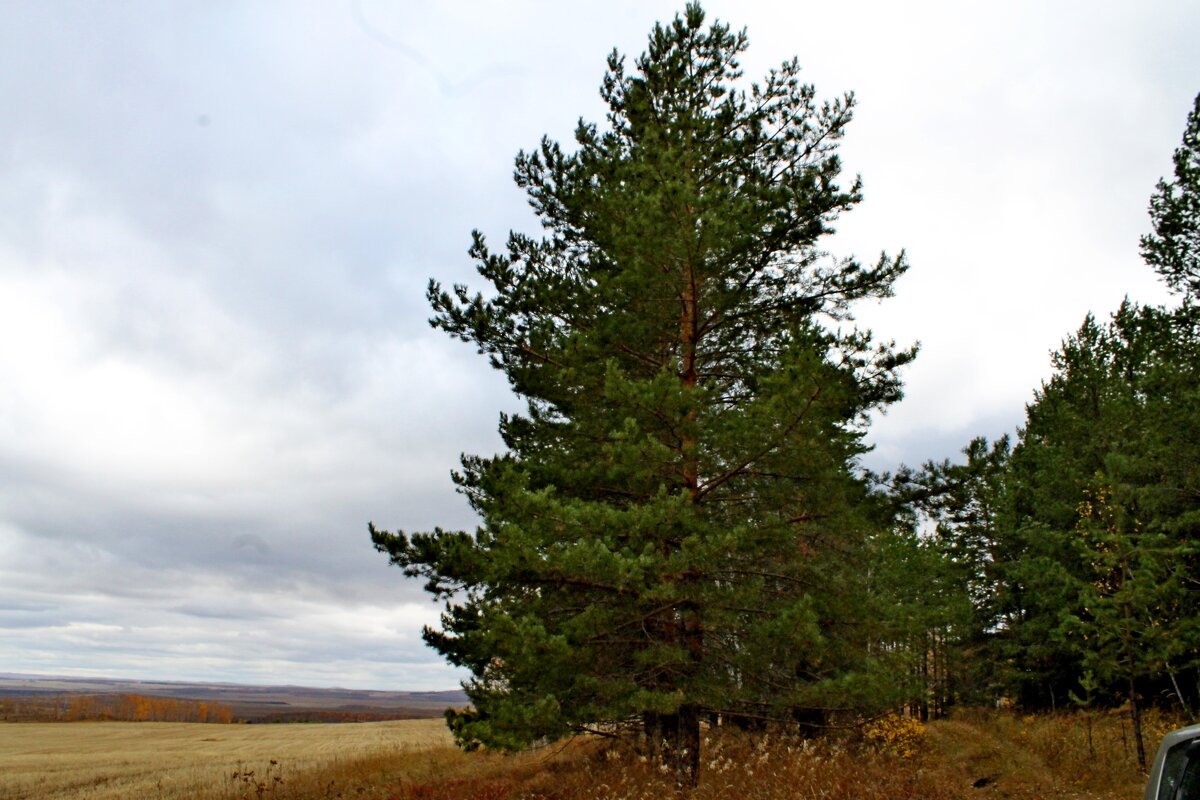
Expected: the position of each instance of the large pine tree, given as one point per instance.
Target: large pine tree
(676, 528)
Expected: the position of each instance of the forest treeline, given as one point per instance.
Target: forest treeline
(1060, 568)
(680, 530)
(114, 707)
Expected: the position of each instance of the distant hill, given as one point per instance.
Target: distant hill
(250, 703)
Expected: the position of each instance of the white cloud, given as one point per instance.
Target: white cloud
(216, 226)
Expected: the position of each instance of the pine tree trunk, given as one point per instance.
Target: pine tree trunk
(652, 732)
(682, 744)
(1134, 712)
(689, 725)
(684, 740)
(925, 686)
(1135, 715)
(939, 675)
(1136, 718)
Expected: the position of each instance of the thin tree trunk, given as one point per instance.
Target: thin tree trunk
(1135, 715)
(925, 681)
(1136, 718)
(652, 730)
(940, 675)
(1130, 662)
(1182, 702)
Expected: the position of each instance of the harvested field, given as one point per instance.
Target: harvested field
(177, 760)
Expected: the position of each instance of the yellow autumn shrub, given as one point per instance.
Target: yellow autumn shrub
(896, 734)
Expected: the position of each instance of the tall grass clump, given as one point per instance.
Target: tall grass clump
(771, 766)
(756, 767)
(1093, 753)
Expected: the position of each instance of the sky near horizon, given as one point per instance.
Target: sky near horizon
(217, 221)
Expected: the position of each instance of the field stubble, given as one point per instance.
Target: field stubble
(977, 755)
(110, 760)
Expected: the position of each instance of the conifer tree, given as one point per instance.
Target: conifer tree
(955, 511)
(1104, 478)
(1173, 250)
(1083, 539)
(1103, 486)
(676, 526)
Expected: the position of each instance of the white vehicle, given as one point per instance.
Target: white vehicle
(1176, 771)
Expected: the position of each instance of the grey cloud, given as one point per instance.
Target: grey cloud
(248, 541)
(216, 225)
(224, 611)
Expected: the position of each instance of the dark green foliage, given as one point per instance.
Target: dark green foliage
(961, 502)
(1173, 250)
(962, 588)
(1078, 550)
(1079, 547)
(677, 528)
(1106, 483)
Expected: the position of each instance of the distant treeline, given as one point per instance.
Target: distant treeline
(115, 707)
(334, 715)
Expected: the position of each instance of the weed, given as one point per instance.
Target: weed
(253, 785)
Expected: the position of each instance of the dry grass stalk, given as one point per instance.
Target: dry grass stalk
(976, 755)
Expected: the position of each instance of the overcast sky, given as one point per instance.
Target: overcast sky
(217, 221)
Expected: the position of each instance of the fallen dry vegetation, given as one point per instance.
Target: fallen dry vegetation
(973, 755)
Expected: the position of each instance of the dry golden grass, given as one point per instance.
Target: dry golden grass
(741, 766)
(100, 760)
(1049, 756)
(1012, 757)
(981, 756)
